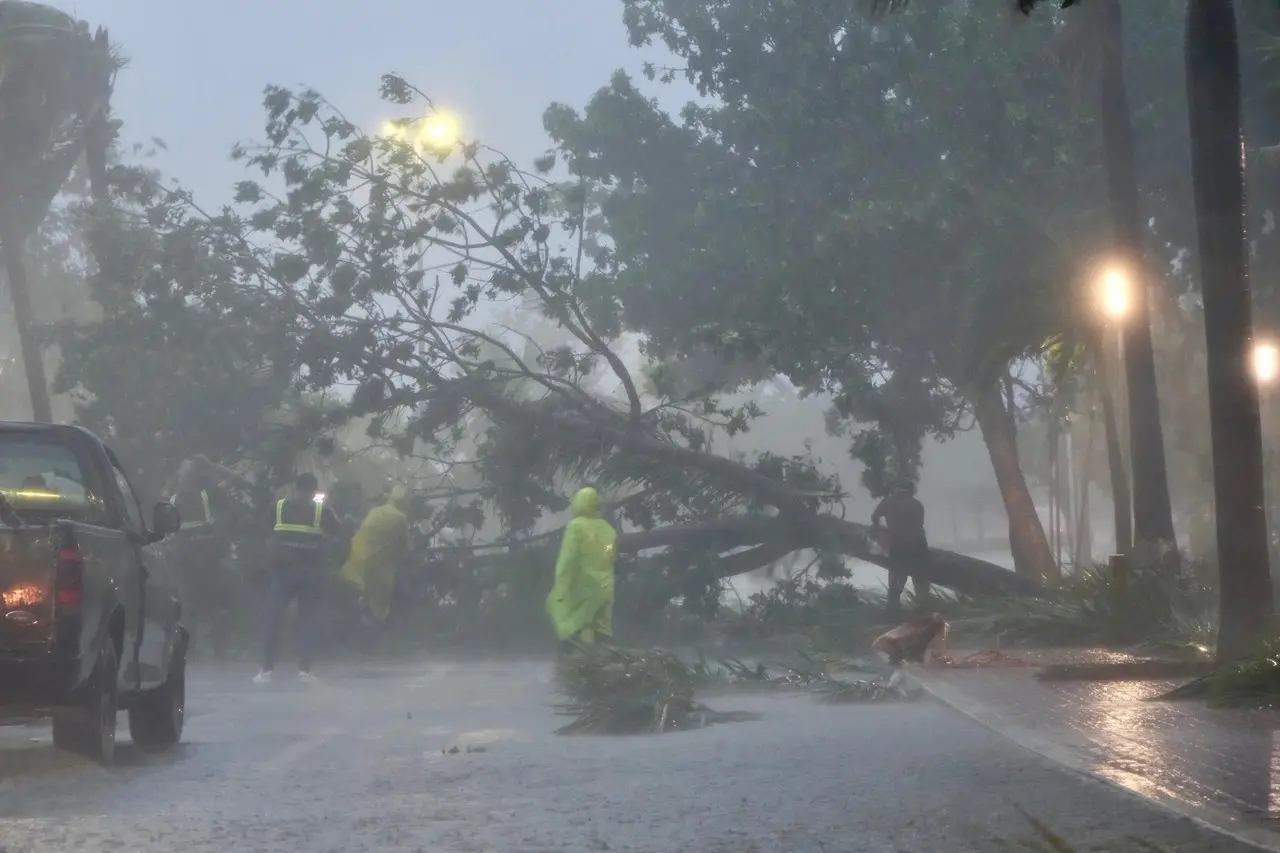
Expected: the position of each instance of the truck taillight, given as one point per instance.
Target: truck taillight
(69, 584)
(22, 596)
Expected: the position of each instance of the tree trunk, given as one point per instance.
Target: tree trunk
(1120, 495)
(1152, 508)
(98, 139)
(796, 522)
(1217, 171)
(32, 359)
(1055, 498)
(1031, 555)
(1083, 555)
(1067, 475)
(763, 540)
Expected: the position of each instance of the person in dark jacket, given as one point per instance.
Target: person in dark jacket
(903, 516)
(202, 548)
(303, 526)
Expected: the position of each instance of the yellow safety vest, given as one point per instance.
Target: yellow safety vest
(314, 528)
(208, 511)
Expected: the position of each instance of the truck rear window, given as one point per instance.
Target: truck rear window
(40, 475)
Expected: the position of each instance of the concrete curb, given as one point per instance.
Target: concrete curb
(1221, 821)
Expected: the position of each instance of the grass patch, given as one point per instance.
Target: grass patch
(1157, 615)
(830, 615)
(1170, 616)
(1253, 682)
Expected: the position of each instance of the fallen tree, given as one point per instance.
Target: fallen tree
(338, 265)
(749, 543)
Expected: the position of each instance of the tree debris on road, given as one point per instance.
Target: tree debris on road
(613, 690)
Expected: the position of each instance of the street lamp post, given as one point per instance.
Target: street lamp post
(1122, 301)
(1115, 301)
(1115, 296)
(1266, 363)
(1266, 372)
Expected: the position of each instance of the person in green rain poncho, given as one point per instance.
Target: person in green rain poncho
(581, 602)
(376, 551)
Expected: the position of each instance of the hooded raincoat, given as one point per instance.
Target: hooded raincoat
(581, 602)
(375, 551)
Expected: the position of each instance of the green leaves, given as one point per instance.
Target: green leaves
(545, 163)
(337, 270)
(218, 359)
(873, 225)
(358, 150)
(276, 100)
(55, 87)
(290, 268)
(248, 192)
(396, 90)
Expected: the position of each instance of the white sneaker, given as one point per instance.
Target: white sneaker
(263, 677)
(306, 678)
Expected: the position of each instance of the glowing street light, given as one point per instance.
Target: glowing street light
(1115, 295)
(437, 133)
(1266, 363)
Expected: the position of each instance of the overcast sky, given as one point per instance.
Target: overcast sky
(197, 70)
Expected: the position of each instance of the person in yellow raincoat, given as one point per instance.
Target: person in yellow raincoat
(376, 550)
(581, 602)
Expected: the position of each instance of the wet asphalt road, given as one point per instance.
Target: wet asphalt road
(355, 763)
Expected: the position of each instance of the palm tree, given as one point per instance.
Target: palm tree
(1217, 170)
(55, 89)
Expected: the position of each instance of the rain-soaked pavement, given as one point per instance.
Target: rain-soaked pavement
(1221, 765)
(355, 763)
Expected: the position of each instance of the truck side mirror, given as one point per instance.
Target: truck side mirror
(165, 520)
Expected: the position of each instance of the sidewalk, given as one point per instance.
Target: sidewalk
(1219, 767)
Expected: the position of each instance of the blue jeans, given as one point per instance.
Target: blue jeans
(289, 581)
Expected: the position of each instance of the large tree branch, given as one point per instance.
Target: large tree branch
(586, 422)
(798, 526)
(777, 536)
(729, 566)
(603, 424)
(569, 314)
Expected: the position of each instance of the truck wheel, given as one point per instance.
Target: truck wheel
(156, 718)
(90, 730)
(68, 732)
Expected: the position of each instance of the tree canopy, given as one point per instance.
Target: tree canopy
(896, 213)
(370, 268)
(891, 213)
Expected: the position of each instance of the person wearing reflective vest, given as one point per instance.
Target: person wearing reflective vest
(203, 550)
(204, 517)
(303, 526)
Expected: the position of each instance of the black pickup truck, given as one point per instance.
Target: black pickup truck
(90, 618)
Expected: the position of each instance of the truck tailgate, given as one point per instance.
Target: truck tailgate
(27, 579)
